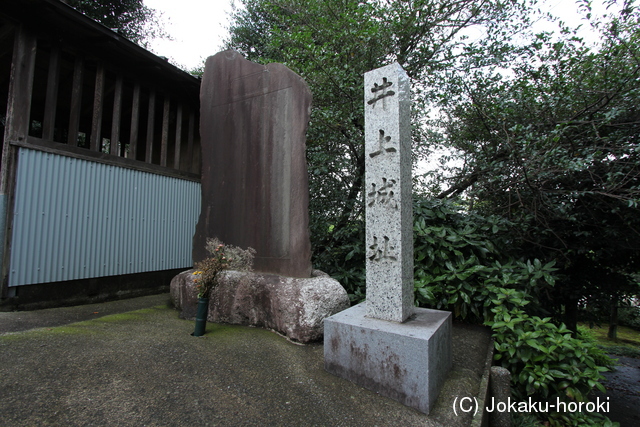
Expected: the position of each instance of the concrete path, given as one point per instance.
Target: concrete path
(623, 392)
(134, 363)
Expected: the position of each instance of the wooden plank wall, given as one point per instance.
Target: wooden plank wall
(80, 101)
(69, 101)
(16, 129)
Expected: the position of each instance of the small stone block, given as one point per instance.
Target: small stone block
(407, 362)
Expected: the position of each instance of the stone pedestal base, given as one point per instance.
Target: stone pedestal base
(407, 362)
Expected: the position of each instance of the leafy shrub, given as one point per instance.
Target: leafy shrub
(462, 266)
(524, 419)
(580, 419)
(601, 357)
(544, 359)
(629, 316)
(342, 256)
(460, 262)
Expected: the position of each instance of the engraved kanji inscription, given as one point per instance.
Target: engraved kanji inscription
(387, 194)
(383, 89)
(383, 195)
(382, 148)
(382, 250)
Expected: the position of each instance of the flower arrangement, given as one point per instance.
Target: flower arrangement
(223, 257)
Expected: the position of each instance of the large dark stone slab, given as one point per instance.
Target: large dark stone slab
(255, 191)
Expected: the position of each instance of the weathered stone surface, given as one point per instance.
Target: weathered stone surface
(389, 211)
(295, 307)
(386, 344)
(407, 362)
(500, 384)
(255, 191)
(184, 295)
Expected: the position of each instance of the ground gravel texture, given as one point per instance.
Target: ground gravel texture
(143, 368)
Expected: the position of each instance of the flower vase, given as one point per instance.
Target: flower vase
(201, 317)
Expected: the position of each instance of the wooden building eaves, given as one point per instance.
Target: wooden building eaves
(58, 22)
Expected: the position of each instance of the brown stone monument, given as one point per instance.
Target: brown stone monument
(255, 191)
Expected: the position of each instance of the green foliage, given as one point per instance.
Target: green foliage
(579, 419)
(345, 258)
(331, 44)
(544, 359)
(131, 18)
(626, 344)
(462, 266)
(523, 419)
(630, 316)
(550, 142)
(461, 262)
(600, 356)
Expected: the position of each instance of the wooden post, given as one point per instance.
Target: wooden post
(165, 131)
(150, 124)
(96, 122)
(115, 119)
(20, 92)
(51, 100)
(76, 102)
(190, 137)
(135, 122)
(176, 153)
(16, 130)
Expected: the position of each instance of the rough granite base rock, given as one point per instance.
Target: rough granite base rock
(294, 307)
(407, 362)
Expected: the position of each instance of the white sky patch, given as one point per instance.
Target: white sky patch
(198, 28)
(574, 15)
(571, 15)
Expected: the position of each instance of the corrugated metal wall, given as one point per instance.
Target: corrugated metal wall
(76, 219)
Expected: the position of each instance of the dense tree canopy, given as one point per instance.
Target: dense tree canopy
(131, 18)
(553, 146)
(331, 44)
(538, 212)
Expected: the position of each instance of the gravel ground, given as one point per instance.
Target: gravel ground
(623, 392)
(138, 365)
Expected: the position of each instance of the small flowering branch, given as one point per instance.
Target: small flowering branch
(223, 257)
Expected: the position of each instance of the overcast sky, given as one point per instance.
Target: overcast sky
(199, 26)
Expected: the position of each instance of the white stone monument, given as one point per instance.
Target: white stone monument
(386, 344)
(389, 210)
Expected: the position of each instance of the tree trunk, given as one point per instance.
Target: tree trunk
(613, 319)
(571, 314)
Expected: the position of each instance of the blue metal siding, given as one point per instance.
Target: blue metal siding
(77, 219)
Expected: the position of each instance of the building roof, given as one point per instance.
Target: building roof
(56, 21)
